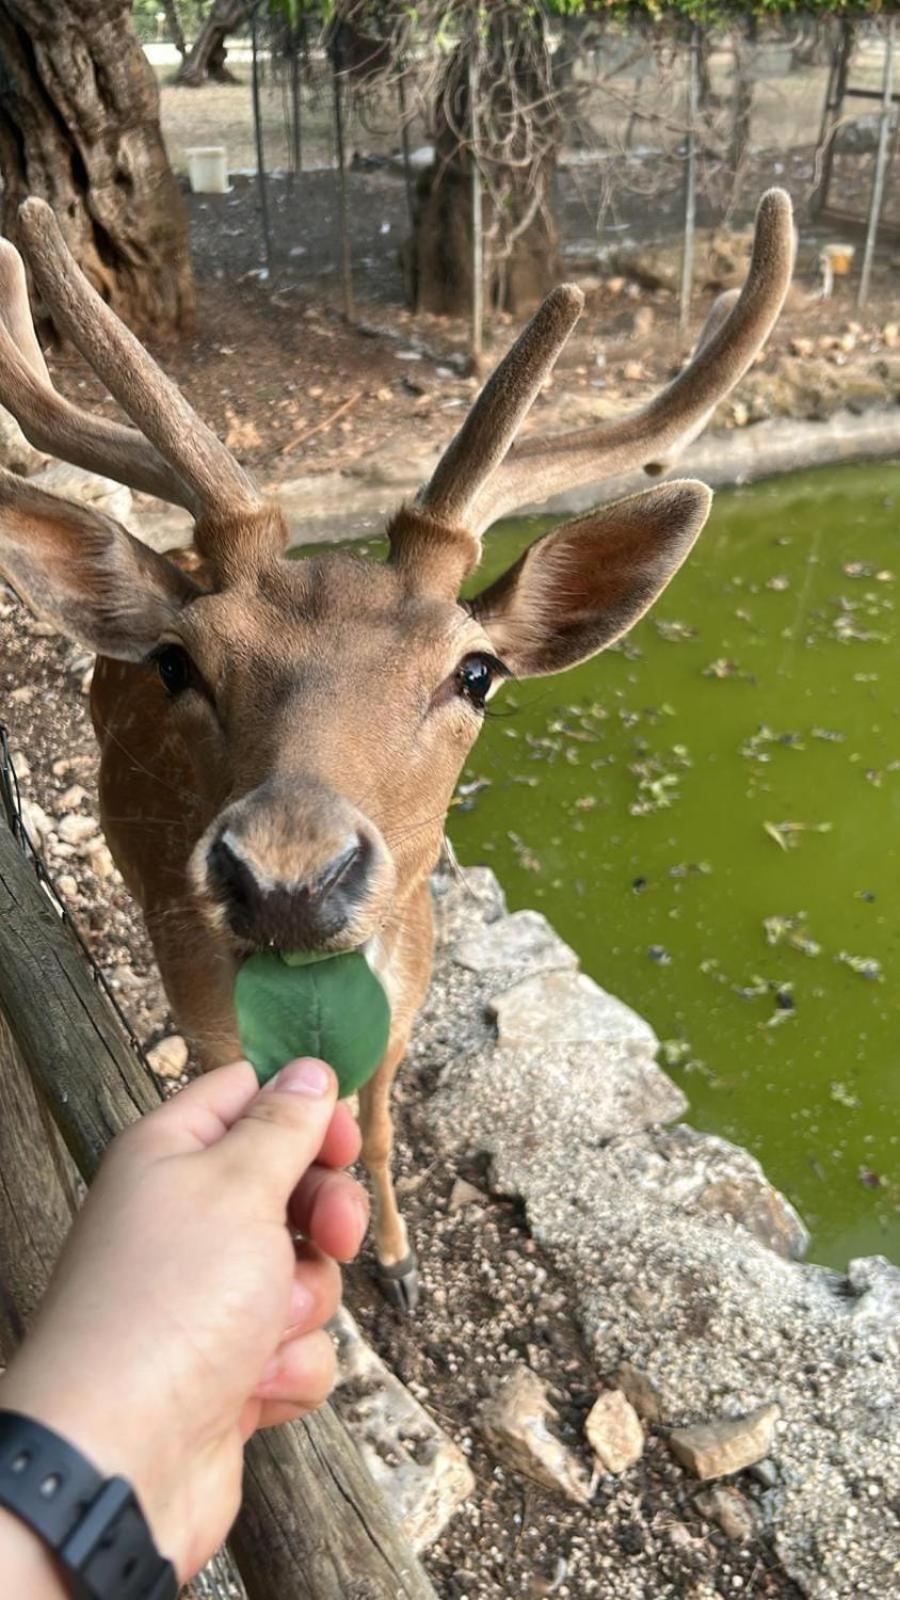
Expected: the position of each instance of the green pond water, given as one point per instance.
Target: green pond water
(710, 814)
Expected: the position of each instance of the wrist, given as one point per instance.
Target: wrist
(26, 1565)
(116, 1443)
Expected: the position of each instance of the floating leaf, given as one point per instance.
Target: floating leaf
(864, 966)
(791, 930)
(786, 834)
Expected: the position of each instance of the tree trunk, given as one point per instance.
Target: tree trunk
(170, 7)
(517, 130)
(206, 58)
(79, 126)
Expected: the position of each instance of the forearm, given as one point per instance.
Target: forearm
(26, 1566)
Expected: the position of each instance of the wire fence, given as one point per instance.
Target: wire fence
(633, 133)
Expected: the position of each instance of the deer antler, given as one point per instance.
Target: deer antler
(52, 423)
(483, 476)
(175, 440)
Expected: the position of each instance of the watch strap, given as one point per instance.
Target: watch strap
(94, 1525)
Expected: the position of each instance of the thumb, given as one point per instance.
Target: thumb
(281, 1131)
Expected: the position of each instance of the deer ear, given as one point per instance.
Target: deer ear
(85, 573)
(585, 584)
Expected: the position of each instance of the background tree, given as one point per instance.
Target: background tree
(205, 60)
(79, 126)
(494, 111)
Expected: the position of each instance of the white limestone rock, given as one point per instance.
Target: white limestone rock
(422, 1474)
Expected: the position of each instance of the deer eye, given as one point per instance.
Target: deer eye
(174, 667)
(475, 676)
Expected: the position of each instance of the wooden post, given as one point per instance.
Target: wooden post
(37, 1197)
(313, 1526)
(261, 180)
(838, 72)
(881, 161)
(343, 201)
(476, 340)
(296, 108)
(404, 141)
(690, 184)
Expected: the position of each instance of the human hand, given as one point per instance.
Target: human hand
(182, 1316)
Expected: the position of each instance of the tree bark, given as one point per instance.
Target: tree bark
(79, 126)
(516, 155)
(170, 7)
(206, 58)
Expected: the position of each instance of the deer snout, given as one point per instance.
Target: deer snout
(305, 914)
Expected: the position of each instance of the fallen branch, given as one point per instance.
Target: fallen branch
(309, 433)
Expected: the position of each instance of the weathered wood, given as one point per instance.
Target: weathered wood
(313, 1526)
(36, 1200)
(344, 1555)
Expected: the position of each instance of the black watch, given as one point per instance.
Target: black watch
(93, 1525)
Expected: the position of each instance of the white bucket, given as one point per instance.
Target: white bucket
(208, 169)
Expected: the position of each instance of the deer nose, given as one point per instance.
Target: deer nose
(295, 915)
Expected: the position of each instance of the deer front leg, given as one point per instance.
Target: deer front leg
(397, 1271)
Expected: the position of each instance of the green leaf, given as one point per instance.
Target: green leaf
(334, 1008)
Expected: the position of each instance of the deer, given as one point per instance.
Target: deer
(280, 739)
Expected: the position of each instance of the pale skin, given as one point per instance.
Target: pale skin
(182, 1315)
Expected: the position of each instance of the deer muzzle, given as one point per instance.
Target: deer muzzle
(295, 867)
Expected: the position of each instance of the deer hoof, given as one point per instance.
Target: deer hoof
(400, 1283)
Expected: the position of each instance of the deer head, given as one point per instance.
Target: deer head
(327, 705)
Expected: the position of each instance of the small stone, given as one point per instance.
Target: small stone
(516, 1425)
(86, 681)
(22, 696)
(633, 372)
(890, 335)
(75, 828)
(614, 1432)
(803, 347)
(765, 1472)
(644, 318)
(715, 1449)
(62, 767)
(169, 1058)
(730, 1510)
(100, 860)
(67, 886)
(642, 1394)
(71, 798)
(465, 1194)
(36, 822)
(20, 765)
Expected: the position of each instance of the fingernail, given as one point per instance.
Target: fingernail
(302, 1077)
(301, 1304)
